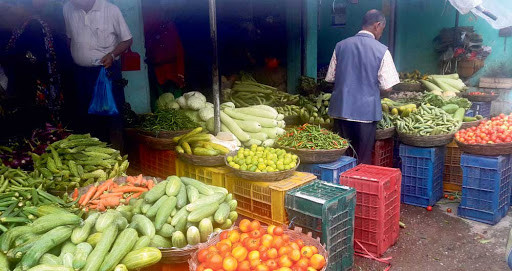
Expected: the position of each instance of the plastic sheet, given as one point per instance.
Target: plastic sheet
(483, 8)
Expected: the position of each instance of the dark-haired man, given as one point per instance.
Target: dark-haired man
(361, 67)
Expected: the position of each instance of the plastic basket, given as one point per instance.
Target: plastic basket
(422, 175)
(377, 213)
(482, 108)
(209, 175)
(157, 163)
(452, 175)
(329, 172)
(382, 154)
(327, 211)
(485, 188)
(264, 201)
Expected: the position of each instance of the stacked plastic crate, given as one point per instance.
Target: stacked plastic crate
(452, 176)
(377, 213)
(157, 163)
(481, 108)
(327, 211)
(382, 154)
(485, 187)
(422, 175)
(329, 172)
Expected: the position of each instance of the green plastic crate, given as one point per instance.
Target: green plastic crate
(327, 211)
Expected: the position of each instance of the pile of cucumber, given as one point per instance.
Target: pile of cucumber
(175, 213)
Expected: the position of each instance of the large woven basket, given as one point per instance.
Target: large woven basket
(263, 176)
(466, 125)
(164, 134)
(382, 134)
(178, 255)
(426, 141)
(206, 161)
(486, 149)
(163, 144)
(480, 98)
(317, 156)
(295, 234)
(412, 87)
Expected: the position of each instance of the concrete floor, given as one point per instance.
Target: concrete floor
(442, 241)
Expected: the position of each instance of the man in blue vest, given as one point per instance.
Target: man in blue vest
(361, 68)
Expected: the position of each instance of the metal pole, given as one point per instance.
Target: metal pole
(215, 66)
(392, 27)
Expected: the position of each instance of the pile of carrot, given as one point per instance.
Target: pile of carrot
(109, 194)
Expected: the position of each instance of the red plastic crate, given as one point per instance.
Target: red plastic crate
(382, 154)
(157, 163)
(452, 175)
(377, 213)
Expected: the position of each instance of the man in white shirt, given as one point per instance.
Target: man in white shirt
(98, 35)
(361, 67)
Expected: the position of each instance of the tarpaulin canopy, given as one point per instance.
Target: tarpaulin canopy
(493, 11)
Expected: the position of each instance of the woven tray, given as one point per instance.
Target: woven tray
(408, 87)
(480, 98)
(317, 156)
(470, 124)
(163, 134)
(263, 176)
(382, 134)
(206, 161)
(486, 149)
(426, 141)
(294, 234)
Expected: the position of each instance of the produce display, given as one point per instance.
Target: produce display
(167, 120)
(314, 109)
(414, 75)
(478, 93)
(446, 86)
(289, 110)
(437, 101)
(311, 137)
(260, 159)
(17, 153)
(79, 160)
(255, 125)
(110, 194)
(386, 122)
(397, 108)
(406, 96)
(496, 130)
(429, 120)
(252, 247)
(198, 143)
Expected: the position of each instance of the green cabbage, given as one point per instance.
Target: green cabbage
(164, 101)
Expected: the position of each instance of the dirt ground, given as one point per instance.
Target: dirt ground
(442, 241)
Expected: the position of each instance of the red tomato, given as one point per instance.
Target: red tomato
(255, 225)
(256, 233)
(278, 231)
(223, 235)
(271, 264)
(201, 255)
(449, 210)
(252, 244)
(429, 208)
(244, 266)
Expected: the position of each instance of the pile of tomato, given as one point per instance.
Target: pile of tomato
(253, 248)
(496, 130)
(478, 93)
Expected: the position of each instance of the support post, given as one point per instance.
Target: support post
(294, 40)
(310, 38)
(215, 66)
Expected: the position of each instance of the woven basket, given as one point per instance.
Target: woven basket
(263, 176)
(317, 156)
(480, 98)
(164, 134)
(382, 134)
(295, 234)
(418, 87)
(178, 255)
(162, 144)
(486, 149)
(426, 141)
(206, 161)
(466, 125)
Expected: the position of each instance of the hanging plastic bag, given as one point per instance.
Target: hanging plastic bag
(103, 102)
(493, 11)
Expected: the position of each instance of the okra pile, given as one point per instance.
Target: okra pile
(79, 160)
(428, 120)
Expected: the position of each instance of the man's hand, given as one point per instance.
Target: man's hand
(107, 60)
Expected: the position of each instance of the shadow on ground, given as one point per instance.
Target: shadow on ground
(442, 241)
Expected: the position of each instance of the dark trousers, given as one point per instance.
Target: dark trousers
(106, 128)
(361, 136)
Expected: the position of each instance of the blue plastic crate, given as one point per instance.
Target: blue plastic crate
(486, 185)
(327, 211)
(469, 113)
(329, 172)
(397, 162)
(481, 108)
(422, 175)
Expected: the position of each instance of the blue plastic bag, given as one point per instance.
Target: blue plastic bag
(103, 102)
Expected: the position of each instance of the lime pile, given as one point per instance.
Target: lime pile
(260, 159)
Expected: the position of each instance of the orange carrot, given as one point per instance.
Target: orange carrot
(151, 184)
(108, 195)
(127, 189)
(138, 181)
(87, 196)
(75, 194)
(99, 207)
(102, 188)
(111, 202)
(130, 179)
(134, 195)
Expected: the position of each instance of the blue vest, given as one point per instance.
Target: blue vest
(356, 93)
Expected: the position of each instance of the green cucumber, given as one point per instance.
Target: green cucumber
(173, 186)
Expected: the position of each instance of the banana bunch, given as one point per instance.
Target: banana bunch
(396, 108)
(288, 110)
